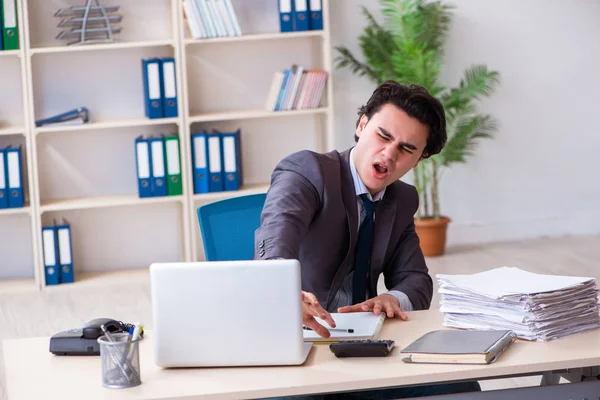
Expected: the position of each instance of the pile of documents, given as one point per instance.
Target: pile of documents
(534, 306)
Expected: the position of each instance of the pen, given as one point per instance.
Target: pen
(306, 328)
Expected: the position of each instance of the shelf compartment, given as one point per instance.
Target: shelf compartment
(17, 130)
(83, 203)
(17, 285)
(101, 47)
(105, 278)
(252, 114)
(10, 53)
(247, 189)
(255, 37)
(125, 123)
(15, 211)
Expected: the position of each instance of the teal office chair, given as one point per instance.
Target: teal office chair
(228, 227)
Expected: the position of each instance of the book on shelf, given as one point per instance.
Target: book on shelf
(211, 18)
(296, 88)
(76, 116)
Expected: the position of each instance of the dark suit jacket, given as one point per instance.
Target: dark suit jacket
(311, 215)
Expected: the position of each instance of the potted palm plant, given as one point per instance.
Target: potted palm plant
(408, 47)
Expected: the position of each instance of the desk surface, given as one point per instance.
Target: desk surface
(32, 372)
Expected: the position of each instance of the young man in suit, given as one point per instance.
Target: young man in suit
(348, 218)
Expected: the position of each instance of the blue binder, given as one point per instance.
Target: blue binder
(301, 15)
(158, 170)
(51, 269)
(3, 180)
(316, 15)
(143, 167)
(215, 162)
(169, 87)
(14, 177)
(153, 91)
(65, 253)
(232, 160)
(200, 162)
(286, 22)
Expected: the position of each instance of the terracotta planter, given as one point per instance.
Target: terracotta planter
(432, 235)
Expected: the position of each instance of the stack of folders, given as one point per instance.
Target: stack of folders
(211, 18)
(300, 15)
(9, 25)
(58, 256)
(11, 178)
(296, 89)
(158, 164)
(534, 306)
(160, 87)
(217, 161)
(76, 116)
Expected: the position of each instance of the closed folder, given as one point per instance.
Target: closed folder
(200, 162)
(51, 270)
(170, 87)
(286, 23)
(65, 253)
(1, 30)
(14, 177)
(232, 160)
(143, 167)
(459, 347)
(153, 91)
(10, 30)
(301, 15)
(157, 160)
(316, 15)
(173, 164)
(3, 184)
(215, 163)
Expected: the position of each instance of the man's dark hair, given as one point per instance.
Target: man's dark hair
(417, 103)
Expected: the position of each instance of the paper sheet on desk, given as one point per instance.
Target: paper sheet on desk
(366, 325)
(506, 281)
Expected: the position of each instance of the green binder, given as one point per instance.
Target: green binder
(173, 165)
(10, 25)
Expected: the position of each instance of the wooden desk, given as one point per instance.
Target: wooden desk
(32, 372)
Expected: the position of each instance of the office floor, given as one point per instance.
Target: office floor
(30, 313)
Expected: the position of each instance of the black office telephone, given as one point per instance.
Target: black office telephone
(84, 341)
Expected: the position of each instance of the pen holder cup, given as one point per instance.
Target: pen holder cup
(120, 361)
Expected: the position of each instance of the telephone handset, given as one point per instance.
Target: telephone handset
(84, 341)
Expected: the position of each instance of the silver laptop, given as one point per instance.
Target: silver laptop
(227, 313)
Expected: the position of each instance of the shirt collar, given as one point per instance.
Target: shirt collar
(359, 186)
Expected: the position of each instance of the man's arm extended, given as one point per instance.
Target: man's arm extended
(291, 203)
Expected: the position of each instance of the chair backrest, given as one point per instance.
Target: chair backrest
(228, 226)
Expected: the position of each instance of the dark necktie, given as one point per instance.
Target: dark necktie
(362, 255)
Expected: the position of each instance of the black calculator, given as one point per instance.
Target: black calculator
(362, 348)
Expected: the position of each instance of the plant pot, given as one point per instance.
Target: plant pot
(432, 235)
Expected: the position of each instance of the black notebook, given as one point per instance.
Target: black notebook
(459, 347)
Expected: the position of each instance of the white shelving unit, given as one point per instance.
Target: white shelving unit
(18, 230)
(86, 174)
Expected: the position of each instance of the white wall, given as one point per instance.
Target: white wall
(538, 177)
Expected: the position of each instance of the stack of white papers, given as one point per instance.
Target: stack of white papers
(534, 306)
